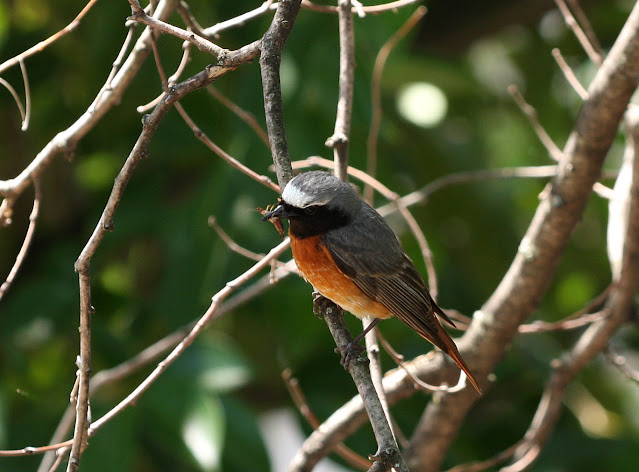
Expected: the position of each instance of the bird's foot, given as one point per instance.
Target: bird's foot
(320, 303)
(350, 352)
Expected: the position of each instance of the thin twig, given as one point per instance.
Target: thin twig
(339, 141)
(498, 458)
(115, 66)
(239, 20)
(583, 39)
(203, 137)
(570, 76)
(199, 134)
(422, 195)
(579, 318)
(369, 9)
(186, 56)
(16, 98)
(621, 363)
(419, 383)
(232, 245)
(244, 115)
(296, 393)
(545, 326)
(50, 40)
(376, 370)
(26, 242)
(581, 17)
(208, 316)
(80, 433)
(185, 13)
(27, 96)
(201, 43)
(376, 94)
(531, 114)
(424, 247)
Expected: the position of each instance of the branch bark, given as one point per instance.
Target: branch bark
(527, 279)
(270, 59)
(540, 250)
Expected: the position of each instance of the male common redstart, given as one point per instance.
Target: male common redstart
(345, 249)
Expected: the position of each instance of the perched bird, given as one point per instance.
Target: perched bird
(345, 249)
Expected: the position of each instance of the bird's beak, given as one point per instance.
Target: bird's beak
(278, 212)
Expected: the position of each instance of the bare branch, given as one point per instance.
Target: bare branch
(244, 115)
(503, 456)
(208, 316)
(232, 245)
(595, 56)
(16, 97)
(270, 59)
(339, 140)
(422, 195)
(50, 40)
(27, 96)
(376, 94)
(201, 43)
(105, 224)
(569, 74)
(239, 20)
(296, 393)
(579, 318)
(531, 114)
(540, 249)
(387, 452)
(621, 363)
(582, 19)
(369, 9)
(66, 140)
(26, 243)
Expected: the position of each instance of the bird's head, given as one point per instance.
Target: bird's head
(315, 202)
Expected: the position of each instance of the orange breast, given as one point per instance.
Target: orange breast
(318, 268)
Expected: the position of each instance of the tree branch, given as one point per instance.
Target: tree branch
(270, 59)
(540, 250)
(339, 140)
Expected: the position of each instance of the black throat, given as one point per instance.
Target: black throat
(323, 219)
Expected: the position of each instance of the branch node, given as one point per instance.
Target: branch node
(338, 139)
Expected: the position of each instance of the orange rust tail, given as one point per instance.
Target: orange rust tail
(443, 341)
(451, 349)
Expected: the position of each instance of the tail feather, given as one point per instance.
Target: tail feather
(443, 341)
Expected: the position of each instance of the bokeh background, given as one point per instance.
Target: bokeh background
(447, 110)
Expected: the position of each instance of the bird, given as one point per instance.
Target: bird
(348, 253)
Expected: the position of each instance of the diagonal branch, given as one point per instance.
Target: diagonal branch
(82, 265)
(541, 248)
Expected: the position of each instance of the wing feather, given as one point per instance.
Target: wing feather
(369, 253)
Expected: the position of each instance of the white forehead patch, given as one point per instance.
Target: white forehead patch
(301, 198)
(295, 196)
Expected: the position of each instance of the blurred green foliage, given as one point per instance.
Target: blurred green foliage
(157, 271)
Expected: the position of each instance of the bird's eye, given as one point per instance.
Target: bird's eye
(310, 210)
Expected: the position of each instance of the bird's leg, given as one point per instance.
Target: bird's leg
(349, 350)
